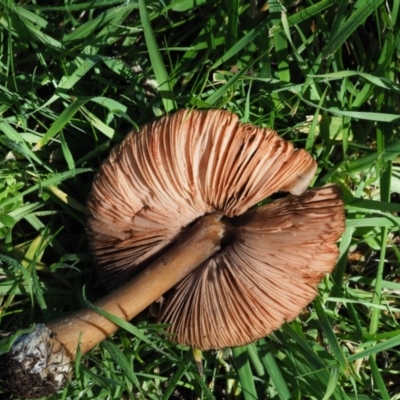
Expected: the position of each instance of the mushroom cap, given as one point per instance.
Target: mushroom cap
(185, 165)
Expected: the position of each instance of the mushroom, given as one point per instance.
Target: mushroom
(169, 213)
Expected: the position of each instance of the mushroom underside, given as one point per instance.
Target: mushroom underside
(193, 163)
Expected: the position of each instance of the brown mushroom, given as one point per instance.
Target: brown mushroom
(170, 205)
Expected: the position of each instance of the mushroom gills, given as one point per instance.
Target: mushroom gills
(264, 275)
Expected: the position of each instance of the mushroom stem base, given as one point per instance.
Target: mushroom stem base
(39, 362)
(36, 366)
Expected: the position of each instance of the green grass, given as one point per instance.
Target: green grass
(75, 77)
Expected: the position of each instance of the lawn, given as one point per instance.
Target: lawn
(77, 76)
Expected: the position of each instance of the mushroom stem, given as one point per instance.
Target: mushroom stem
(38, 363)
(89, 328)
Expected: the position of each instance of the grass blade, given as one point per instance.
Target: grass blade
(164, 82)
(275, 374)
(362, 12)
(244, 372)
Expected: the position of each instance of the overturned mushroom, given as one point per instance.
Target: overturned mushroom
(170, 205)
